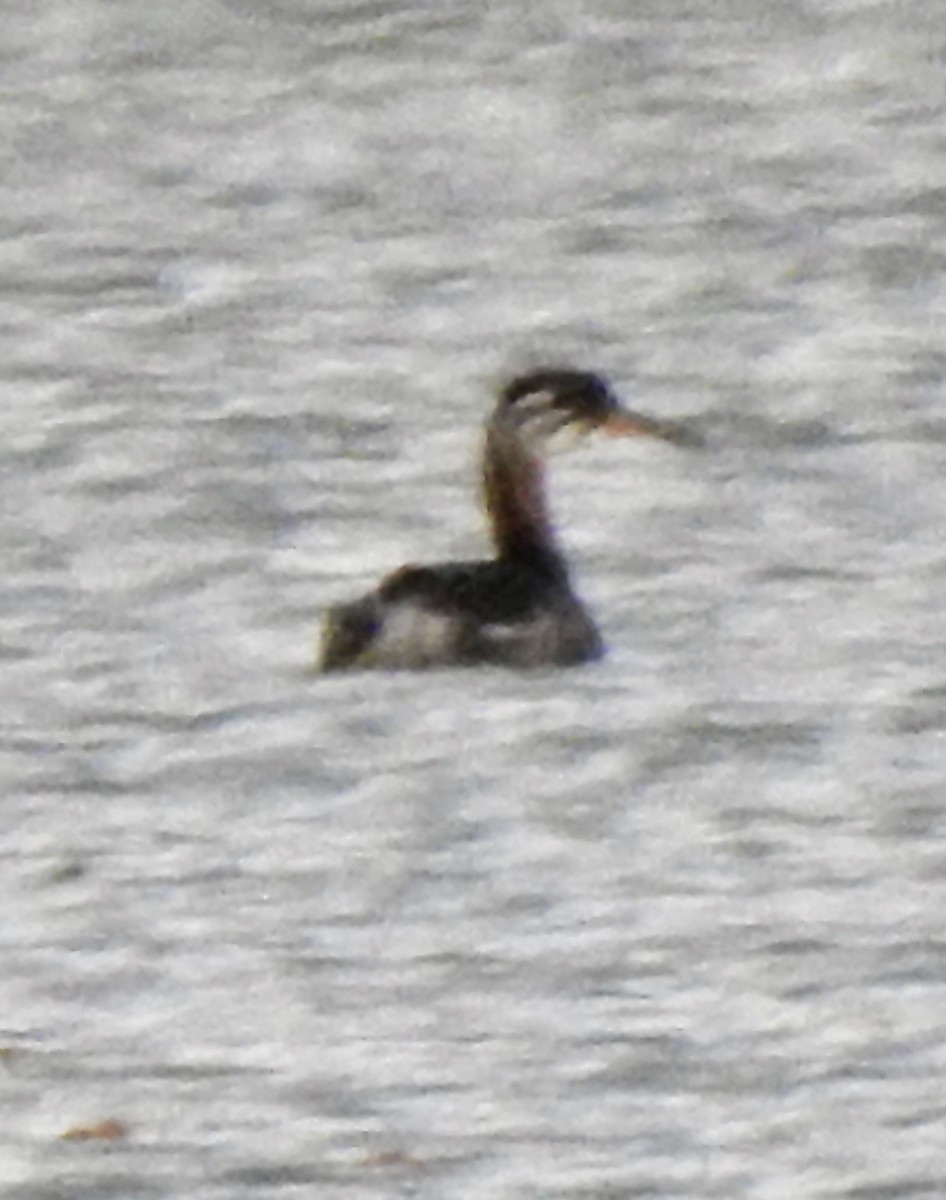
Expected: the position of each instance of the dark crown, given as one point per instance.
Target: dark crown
(581, 392)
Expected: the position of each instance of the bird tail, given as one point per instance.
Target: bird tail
(347, 633)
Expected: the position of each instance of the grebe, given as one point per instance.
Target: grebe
(517, 609)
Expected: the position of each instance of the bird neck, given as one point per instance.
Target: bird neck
(514, 493)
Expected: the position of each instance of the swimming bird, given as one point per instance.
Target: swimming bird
(518, 608)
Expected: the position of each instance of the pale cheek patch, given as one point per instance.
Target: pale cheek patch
(535, 402)
(551, 431)
(566, 437)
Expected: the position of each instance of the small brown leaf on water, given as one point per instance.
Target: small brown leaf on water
(390, 1158)
(109, 1130)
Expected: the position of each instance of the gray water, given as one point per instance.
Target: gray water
(668, 926)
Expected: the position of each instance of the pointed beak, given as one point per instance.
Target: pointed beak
(622, 422)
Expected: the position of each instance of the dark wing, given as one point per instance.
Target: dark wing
(484, 592)
(494, 612)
